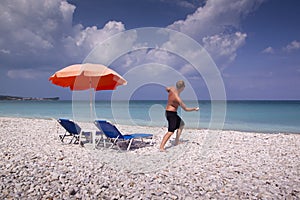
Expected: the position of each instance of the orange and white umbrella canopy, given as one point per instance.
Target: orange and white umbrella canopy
(87, 76)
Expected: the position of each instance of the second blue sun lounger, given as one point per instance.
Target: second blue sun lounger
(111, 132)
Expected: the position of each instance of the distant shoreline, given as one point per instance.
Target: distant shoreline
(4, 97)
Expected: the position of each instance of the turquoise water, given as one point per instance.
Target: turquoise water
(258, 116)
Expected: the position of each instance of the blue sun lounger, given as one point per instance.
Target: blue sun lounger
(72, 130)
(112, 133)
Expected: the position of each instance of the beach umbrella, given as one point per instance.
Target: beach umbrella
(87, 76)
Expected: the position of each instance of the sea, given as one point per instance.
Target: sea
(249, 116)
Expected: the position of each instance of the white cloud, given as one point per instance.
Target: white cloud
(215, 26)
(5, 51)
(217, 23)
(33, 24)
(43, 31)
(152, 73)
(224, 46)
(113, 47)
(268, 50)
(84, 40)
(294, 45)
(215, 16)
(187, 69)
(143, 56)
(185, 4)
(91, 36)
(67, 11)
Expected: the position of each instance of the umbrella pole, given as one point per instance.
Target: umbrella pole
(91, 100)
(91, 106)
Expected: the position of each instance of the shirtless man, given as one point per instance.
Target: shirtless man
(174, 121)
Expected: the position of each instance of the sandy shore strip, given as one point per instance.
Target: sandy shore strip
(209, 164)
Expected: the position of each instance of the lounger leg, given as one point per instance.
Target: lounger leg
(151, 143)
(99, 140)
(129, 144)
(77, 139)
(80, 135)
(104, 140)
(61, 137)
(114, 142)
(71, 140)
(93, 133)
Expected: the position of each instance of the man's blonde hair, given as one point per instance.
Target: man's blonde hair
(180, 84)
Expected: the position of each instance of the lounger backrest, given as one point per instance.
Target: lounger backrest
(108, 129)
(70, 126)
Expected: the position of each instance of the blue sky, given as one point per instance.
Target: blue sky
(254, 43)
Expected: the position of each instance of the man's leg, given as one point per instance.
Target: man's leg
(179, 131)
(164, 140)
(178, 134)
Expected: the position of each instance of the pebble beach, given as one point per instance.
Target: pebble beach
(208, 164)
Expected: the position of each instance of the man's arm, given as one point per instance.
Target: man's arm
(183, 106)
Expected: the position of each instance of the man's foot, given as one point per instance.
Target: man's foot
(177, 143)
(162, 150)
